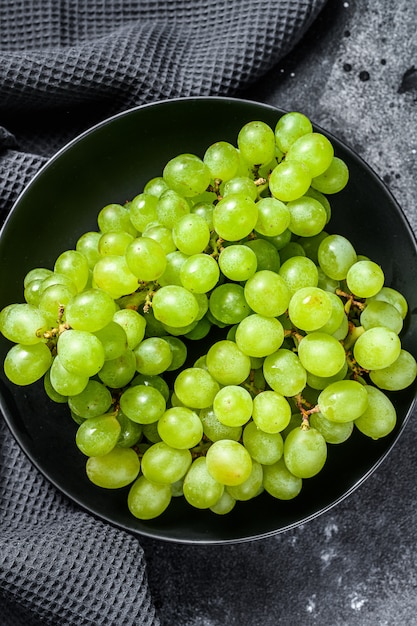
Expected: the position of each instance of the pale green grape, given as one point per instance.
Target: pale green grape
(53, 301)
(142, 210)
(37, 273)
(380, 417)
(195, 387)
(114, 242)
(199, 273)
(377, 348)
(333, 432)
(336, 255)
(157, 382)
(314, 150)
(227, 363)
(394, 297)
(23, 323)
(215, 430)
(25, 364)
(251, 487)
(162, 235)
(290, 127)
(333, 179)
(273, 217)
(343, 401)
(279, 482)
(284, 372)
(228, 303)
(146, 500)
(97, 436)
(146, 258)
(93, 401)
(298, 272)
(337, 316)
(150, 431)
(174, 262)
(267, 256)
(87, 244)
(113, 275)
(175, 306)
(80, 352)
(90, 310)
(321, 382)
(234, 217)
(289, 180)
(222, 159)
(117, 373)
(200, 330)
(224, 504)
(380, 313)
(57, 279)
(113, 339)
(233, 405)
(265, 448)
(187, 174)
(50, 391)
(114, 470)
(321, 354)
(153, 356)
(115, 217)
(305, 452)
(180, 427)
(398, 375)
(258, 336)
(191, 234)
(142, 404)
(73, 264)
(308, 216)
(32, 292)
(240, 185)
(228, 462)
(201, 490)
(267, 294)
(130, 432)
(156, 186)
(164, 465)
(256, 142)
(292, 249)
(271, 411)
(365, 278)
(134, 325)
(310, 308)
(64, 382)
(205, 210)
(170, 207)
(179, 352)
(237, 262)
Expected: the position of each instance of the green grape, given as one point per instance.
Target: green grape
(93, 401)
(23, 323)
(224, 504)
(142, 404)
(97, 436)
(251, 487)
(205, 210)
(90, 310)
(228, 462)
(153, 381)
(150, 432)
(200, 330)
(267, 294)
(377, 348)
(214, 429)
(199, 273)
(298, 272)
(80, 352)
(289, 180)
(267, 256)
(113, 275)
(237, 262)
(279, 482)
(333, 179)
(256, 143)
(273, 217)
(292, 249)
(399, 375)
(175, 306)
(284, 372)
(394, 297)
(187, 174)
(25, 364)
(180, 427)
(201, 490)
(258, 336)
(343, 401)
(162, 235)
(163, 465)
(114, 242)
(380, 313)
(308, 216)
(114, 470)
(32, 292)
(147, 500)
(365, 279)
(234, 217)
(321, 354)
(191, 234)
(222, 159)
(227, 363)
(153, 356)
(380, 417)
(279, 241)
(64, 382)
(327, 283)
(337, 316)
(50, 391)
(133, 324)
(87, 244)
(142, 210)
(265, 448)
(130, 431)
(336, 255)
(155, 187)
(176, 488)
(115, 217)
(317, 195)
(195, 387)
(171, 206)
(57, 279)
(240, 185)
(37, 273)
(228, 303)
(117, 373)
(233, 405)
(314, 150)
(271, 411)
(171, 275)
(321, 382)
(333, 432)
(179, 352)
(290, 127)
(53, 301)
(146, 258)
(113, 339)
(310, 308)
(305, 452)
(73, 264)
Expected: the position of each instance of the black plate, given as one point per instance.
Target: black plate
(111, 163)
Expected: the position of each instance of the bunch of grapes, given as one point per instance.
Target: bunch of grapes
(211, 338)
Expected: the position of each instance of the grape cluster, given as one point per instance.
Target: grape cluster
(297, 335)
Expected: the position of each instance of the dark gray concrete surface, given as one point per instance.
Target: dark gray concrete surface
(355, 74)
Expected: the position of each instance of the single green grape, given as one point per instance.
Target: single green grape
(380, 417)
(73, 264)
(399, 375)
(251, 487)
(228, 462)
(308, 216)
(241, 185)
(142, 404)
(305, 452)
(180, 427)
(289, 180)
(258, 336)
(336, 255)
(279, 482)
(199, 273)
(80, 352)
(265, 448)
(90, 310)
(290, 127)
(201, 490)
(164, 465)
(93, 401)
(343, 401)
(187, 174)
(234, 217)
(365, 278)
(114, 242)
(267, 294)
(380, 313)
(271, 411)
(333, 432)
(284, 372)
(87, 244)
(238, 263)
(25, 364)
(214, 429)
(256, 143)
(155, 186)
(224, 504)
(333, 179)
(228, 303)
(171, 206)
(114, 470)
(146, 259)
(113, 339)
(227, 363)
(222, 159)
(117, 373)
(267, 256)
(191, 234)
(313, 150)
(97, 436)
(23, 323)
(175, 306)
(377, 348)
(134, 325)
(153, 356)
(115, 217)
(298, 272)
(232, 405)
(162, 235)
(195, 387)
(142, 210)
(321, 354)
(310, 308)
(130, 432)
(147, 500)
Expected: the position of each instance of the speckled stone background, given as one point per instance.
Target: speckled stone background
(355, 73)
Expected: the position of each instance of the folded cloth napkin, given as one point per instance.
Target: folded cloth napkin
(64, 66)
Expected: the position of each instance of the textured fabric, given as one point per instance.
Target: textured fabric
(65, 65)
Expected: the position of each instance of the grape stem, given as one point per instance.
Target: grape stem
(305, 413)
(350, 301)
